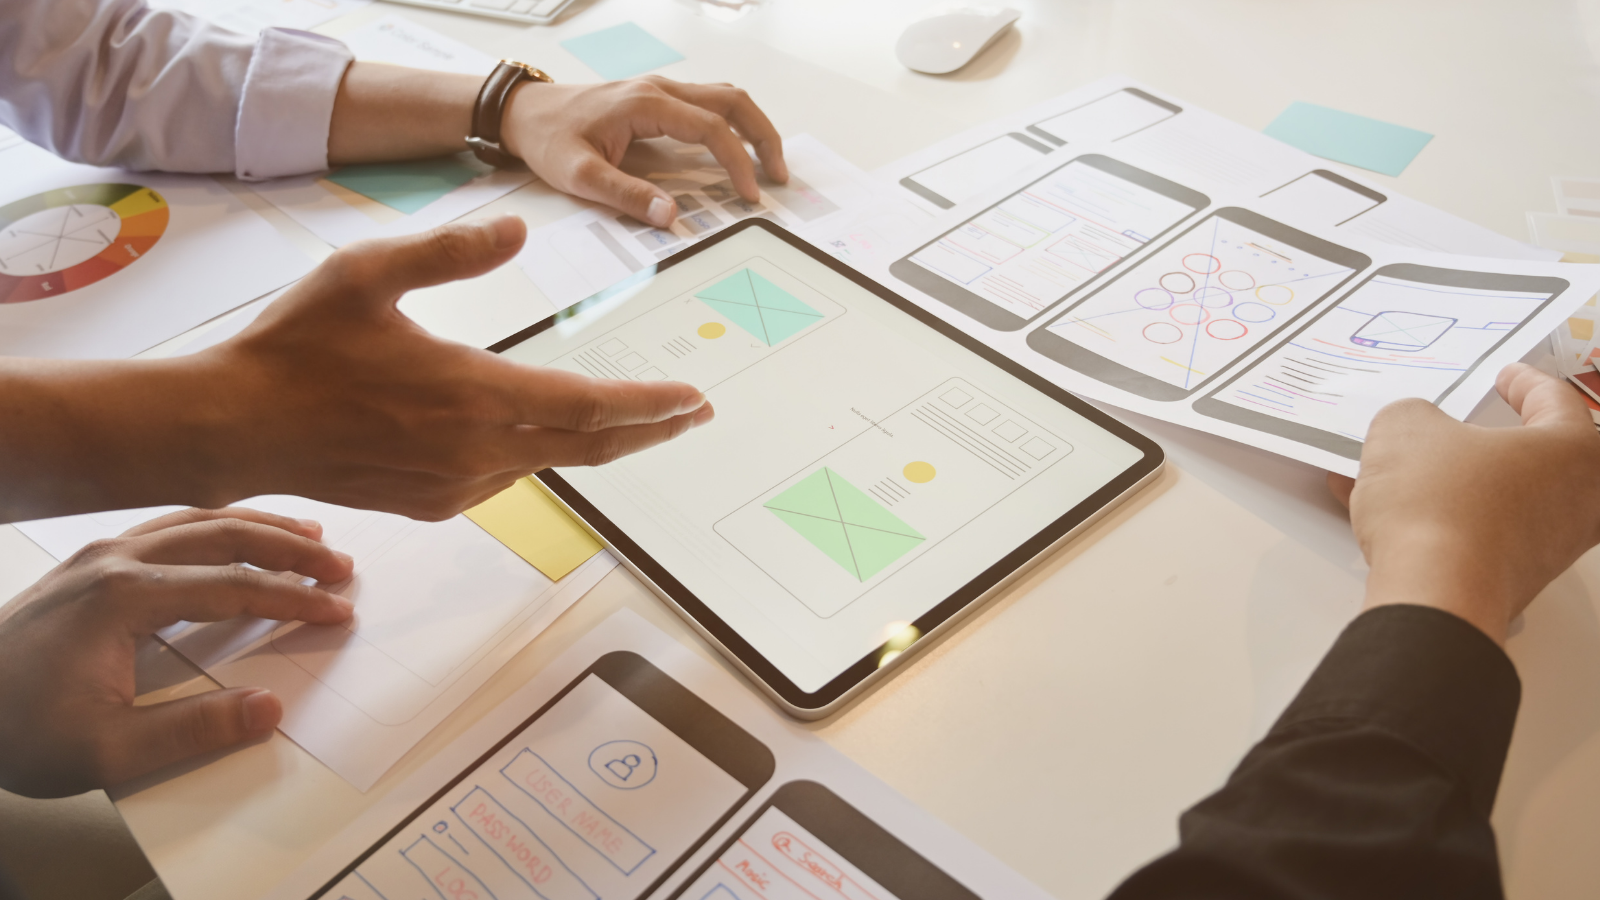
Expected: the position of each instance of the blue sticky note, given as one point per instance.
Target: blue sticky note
(406, 186)
(621, 51)
(1348, 138)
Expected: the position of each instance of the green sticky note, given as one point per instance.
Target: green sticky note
(760, 307)
(406, 186)
(1348, 138)
(842, 521)
(621, 51)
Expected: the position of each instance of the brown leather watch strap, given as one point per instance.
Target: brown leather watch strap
(485, 139)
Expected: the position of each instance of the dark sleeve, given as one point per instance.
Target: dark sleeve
(1376, 783)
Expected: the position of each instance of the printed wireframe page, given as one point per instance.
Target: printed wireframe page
(1323, 385)
(99, 263)
(1277, 241)
(602, 793)
(1189, 145)
(631, 769)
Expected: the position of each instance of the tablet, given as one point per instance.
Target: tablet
(872, 474)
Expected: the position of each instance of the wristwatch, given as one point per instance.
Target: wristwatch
(491, 107)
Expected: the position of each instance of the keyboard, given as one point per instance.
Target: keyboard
(528, 12)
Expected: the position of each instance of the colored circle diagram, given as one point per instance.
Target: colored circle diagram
(62, 240)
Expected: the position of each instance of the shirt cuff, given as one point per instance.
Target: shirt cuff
(287, 104)
(1427, 677)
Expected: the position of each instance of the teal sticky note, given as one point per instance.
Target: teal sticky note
(406, 186)
(621, 51)
(1348, 138)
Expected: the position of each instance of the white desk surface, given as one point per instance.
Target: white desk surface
(1066, 726)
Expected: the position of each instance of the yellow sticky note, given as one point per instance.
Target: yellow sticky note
(536, 528)
(1582, 329)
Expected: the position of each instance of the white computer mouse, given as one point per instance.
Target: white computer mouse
(949, 37)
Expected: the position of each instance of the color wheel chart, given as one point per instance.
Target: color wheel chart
(61, 240)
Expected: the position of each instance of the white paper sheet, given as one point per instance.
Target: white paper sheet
(112, 271)
(587, 252)
(331, 208)
(439, 608)
(1174, 139)
(556, 804)
(250, 16)
(1078, 267)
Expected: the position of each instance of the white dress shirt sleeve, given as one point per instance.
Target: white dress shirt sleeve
(113, 82)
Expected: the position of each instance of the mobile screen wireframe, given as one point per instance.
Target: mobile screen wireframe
(1010, 263)
(1166, 327)
(968, 173)
(805, 843)
(602, 793)
(1113, 117)
(1319, 199)
(1405, 331)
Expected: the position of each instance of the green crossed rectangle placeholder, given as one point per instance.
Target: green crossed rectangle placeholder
(853, 529)
(760, 307)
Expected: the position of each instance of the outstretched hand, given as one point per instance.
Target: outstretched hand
(67, 719)
(335, 395)
(1476, 521)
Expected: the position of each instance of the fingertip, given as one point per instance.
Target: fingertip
(1341, 486)
(705, 414)
(506, 231)
(260, 711)
(690, 403)
(311, 528)
(662, 212)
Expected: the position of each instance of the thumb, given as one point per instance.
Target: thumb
(1541, 399)
(1341, 486)
(604, 183)
(451, 252)
(146, 738)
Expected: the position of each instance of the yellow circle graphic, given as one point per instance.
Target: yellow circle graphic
(712, 330)
(919, 472)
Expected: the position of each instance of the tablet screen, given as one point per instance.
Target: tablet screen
(863, 467)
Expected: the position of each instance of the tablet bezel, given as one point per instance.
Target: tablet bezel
(941, 616)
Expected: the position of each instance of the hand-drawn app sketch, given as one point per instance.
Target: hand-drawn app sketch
(600, 794)
(1406, 331)
(805, 843)
(1010, 263)
(1166, 327)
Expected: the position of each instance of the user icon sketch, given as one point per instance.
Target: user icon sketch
(626, 765)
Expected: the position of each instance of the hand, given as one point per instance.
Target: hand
(331, 394)
(67, 719)
(1476, 521)
(573, 136)
(341, 398)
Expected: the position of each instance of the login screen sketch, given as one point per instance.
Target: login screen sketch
(860, 467)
